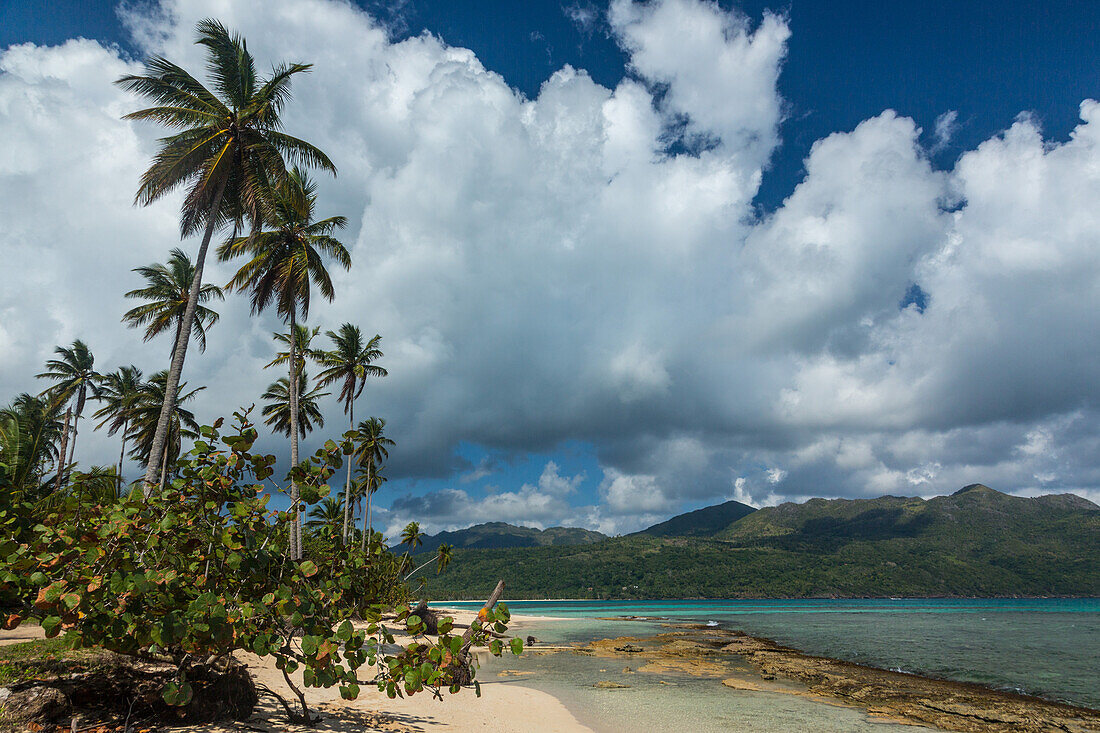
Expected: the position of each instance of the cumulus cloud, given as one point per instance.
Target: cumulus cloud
(586, 265)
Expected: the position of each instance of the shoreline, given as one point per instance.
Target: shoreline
(511, 699)
(903, 697)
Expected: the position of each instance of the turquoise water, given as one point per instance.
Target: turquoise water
(1046, 647)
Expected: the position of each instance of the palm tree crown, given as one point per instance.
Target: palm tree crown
(229, 145)
(277, 409)
(350, 362)
(30, 428)
(166, 292)
(146, 412)
(74, 375)
(286, 259)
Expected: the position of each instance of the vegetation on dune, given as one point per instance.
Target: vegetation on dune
(198, 570)
(975, 543)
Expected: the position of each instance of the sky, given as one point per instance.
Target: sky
(626, 259)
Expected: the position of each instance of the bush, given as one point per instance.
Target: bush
(200, 570)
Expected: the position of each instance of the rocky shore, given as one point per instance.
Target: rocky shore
(732, 657)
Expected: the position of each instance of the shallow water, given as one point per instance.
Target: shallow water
(673, 702)
(1046, 647)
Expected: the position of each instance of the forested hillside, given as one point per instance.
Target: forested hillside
(977, 542)
(501, 535)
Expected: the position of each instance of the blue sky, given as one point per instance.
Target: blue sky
(701, 396)
(987, 61)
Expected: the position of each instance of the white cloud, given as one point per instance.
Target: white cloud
(587, 265)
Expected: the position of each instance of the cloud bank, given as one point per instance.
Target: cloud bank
(587, 265)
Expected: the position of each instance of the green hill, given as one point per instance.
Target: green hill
(499, 535)
(705, 522)
(976, 542)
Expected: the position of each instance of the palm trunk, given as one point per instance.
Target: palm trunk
(347, 482)
(64, 448)
(366, 514)
(175, 371)
(122, 455)
(164, 466)
(296, 520)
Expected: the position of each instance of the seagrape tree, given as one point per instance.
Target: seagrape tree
(199, 570)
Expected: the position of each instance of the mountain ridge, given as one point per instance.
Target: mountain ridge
(978, 542)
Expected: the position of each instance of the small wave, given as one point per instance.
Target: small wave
(712, 623)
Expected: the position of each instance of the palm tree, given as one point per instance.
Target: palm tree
(75, 376)
(283, 263)
(350, 363)
(166, 291)
(119, 393)
(303, 337)
(226, 149)
(30, 428)
(326, 514)
(277, 409)
(442, 558)
(145, 416)
(371, 451)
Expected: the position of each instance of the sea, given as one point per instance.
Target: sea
(1048, 647)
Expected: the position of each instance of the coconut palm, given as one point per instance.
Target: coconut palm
(166, 291)
(442, 559)
(30, 429)
(226, 149)
(119, 394)
(277, 409)
(371, 451)
(350, 362)
(328, 513)
(284, 263)
(145, 416)
(303, 349)
(75, 377)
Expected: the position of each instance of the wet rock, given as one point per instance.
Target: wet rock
(609, 685)
(629, 649)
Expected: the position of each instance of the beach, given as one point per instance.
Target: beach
(667, 674)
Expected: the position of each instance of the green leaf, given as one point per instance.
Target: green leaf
(517, 646)
(349, 691)
(51, 625)
(344, 632)
(177, 693)
(495, 647)
(446, 624)
(308, 568)
(310, 644)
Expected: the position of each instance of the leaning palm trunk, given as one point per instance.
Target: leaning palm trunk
(64, 447)
(296, 520)
(347, 481)
(160, 437)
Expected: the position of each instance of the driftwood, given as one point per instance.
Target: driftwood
(465, 674)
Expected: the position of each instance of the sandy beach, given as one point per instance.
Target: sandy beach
(505, 705)
(772, 684)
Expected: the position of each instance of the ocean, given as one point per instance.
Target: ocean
(1045, 647)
